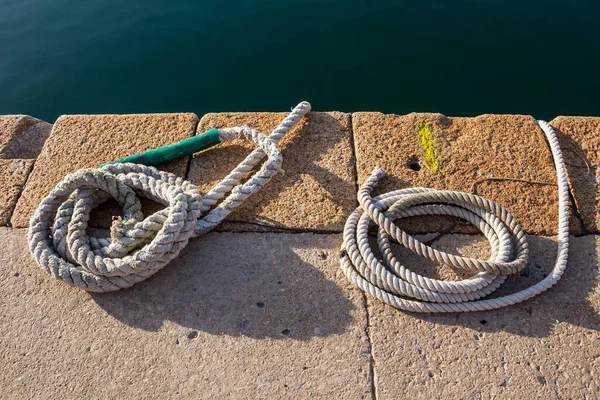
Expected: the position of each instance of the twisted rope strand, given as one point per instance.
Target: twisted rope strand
(392, 283)
(138, 247)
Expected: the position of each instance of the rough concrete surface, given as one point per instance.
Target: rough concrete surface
(317, 189)
(242, 315)
(270, 315)
(13, 174)
(545, 347)
(580, 140)
(468, 152)
(83, 141)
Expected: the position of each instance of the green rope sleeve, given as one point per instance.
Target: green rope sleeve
(173, 151)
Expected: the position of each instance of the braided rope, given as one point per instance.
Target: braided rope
(390, 282)
(138, 247)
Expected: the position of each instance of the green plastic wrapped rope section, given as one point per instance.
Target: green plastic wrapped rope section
(173, 151)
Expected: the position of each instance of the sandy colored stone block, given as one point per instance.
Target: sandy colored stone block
(580, 140)
(13, 175)
(84, 141)
(240, 315)
(467, 153)
(22, 136)
(545, 347)
(317, 190)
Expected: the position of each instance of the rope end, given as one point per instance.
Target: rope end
(378, 173)
(302, 108)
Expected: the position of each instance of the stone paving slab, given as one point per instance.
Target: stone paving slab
(545, 347)
(13, 175)
(22, 136)
(317, 190)
(242, 315)
(463, 154)
(580, 140)
(21, 140)
(83, 141)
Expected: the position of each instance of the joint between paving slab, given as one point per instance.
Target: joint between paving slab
(14, 207)
(354, 158)
(276, 229)
(190, 157)
(372, 372)
(577, 214)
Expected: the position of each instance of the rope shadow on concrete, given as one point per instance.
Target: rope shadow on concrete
(572, 300)
(279, 286)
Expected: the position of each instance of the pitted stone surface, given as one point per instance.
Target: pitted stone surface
(580, 140)
(545, 347)
(22, 136)
(84, 141)
(469, 152)
(13, 175)
(270, 317)
(21, 140)
(317, 189)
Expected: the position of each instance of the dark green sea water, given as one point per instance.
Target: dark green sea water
(454, 57)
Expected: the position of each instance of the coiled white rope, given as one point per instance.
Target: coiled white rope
(395, 285)
(138, 246)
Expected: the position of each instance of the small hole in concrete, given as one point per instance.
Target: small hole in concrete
(483, 322)
(285, 332)
(193, 335)
(260, 304)
(413, 163)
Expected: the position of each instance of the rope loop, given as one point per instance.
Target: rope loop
(391, 282)
(140, 246)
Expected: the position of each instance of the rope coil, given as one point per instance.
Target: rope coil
(139, 246)
(392, 283)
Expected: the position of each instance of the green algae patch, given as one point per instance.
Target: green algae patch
(428, 146)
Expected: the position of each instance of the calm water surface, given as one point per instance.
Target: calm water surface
(454, 57)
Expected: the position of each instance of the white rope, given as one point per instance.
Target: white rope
(138, 247)
(392, 283)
